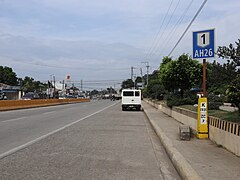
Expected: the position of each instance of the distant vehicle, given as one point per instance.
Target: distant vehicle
(70, 96)
(131, 99)
(94, 98)
(30, 96)
(62, 97)
(81, 97)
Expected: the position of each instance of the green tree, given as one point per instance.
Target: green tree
(219, 76)
(230, 52)
(127, 84)
(181, 74)
(138, 80)
(94, 92)
(233, 93)
(29, 85)
(155, 88)
(7, 76)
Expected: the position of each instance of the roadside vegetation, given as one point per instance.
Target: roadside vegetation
(179, 81)
(224, 115)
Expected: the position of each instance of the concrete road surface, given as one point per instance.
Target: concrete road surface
(93, 140)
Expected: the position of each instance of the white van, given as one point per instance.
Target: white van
(131, 99)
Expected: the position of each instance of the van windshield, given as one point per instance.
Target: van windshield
(128, 93)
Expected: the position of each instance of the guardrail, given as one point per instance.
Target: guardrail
(230, 127)
(20, 104)
(224, 133)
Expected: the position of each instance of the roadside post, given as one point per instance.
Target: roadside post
(203, 48)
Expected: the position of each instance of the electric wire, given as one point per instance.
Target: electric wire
(163, 32)
(64, 67)
(195, 16)
(175, 28)
(156, 37)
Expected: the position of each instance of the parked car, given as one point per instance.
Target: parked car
(30, 96)
(131, 99)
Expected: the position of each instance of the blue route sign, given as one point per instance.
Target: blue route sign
(203, 44)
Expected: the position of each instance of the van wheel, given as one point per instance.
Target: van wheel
(123, 109)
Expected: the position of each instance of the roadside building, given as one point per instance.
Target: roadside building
(8, 92)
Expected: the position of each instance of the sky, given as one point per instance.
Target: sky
(98, 41)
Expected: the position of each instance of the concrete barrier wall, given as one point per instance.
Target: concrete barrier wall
(166, 110)
(224, 133)
(18, 104)
(185, 119)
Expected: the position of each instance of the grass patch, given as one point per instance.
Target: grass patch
(224, 115)
(228, 116)
(189, 107)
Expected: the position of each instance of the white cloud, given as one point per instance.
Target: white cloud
(101, 39)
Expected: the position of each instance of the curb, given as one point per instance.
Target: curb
(180, 163)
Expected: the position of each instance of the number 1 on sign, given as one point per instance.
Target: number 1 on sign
(203, 39)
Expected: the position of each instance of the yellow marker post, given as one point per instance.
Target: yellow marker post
(202, 130)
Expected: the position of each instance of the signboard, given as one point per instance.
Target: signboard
(203, 113)
(202, 118)
(203, 44)
(68, 78)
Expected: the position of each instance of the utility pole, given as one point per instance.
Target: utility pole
(63, 85)
(147, 65)
(73, 89)
(131, 73)
(142, 77)
(81, 85)
(50, 87)
(54, 83)
(132, 68)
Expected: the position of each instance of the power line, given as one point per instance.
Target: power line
(156, 37)
(61, 67)
(159, 40)
(199, 10)
(170, 35)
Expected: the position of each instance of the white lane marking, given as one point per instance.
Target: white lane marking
(16, 119)
(7, 153)
(50, 112)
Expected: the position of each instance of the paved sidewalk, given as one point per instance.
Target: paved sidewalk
(207, 160)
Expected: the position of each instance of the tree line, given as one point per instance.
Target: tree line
(178, 80)
(28, 84)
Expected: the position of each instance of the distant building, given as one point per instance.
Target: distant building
(11, 92)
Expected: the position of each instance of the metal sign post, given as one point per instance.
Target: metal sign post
(203, 47)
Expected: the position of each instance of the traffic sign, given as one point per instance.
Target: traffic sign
(203, 44)
(202, 128)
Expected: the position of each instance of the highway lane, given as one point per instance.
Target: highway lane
(103, 143)
(19, 127)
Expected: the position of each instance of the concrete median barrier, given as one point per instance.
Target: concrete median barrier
(21, 104)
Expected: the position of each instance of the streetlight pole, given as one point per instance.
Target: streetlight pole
(54, 84)
(147, 65)
(50, 87)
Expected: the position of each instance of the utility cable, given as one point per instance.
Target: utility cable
(199, 10)
(156, 37)
(157, 45)
(170, 34)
